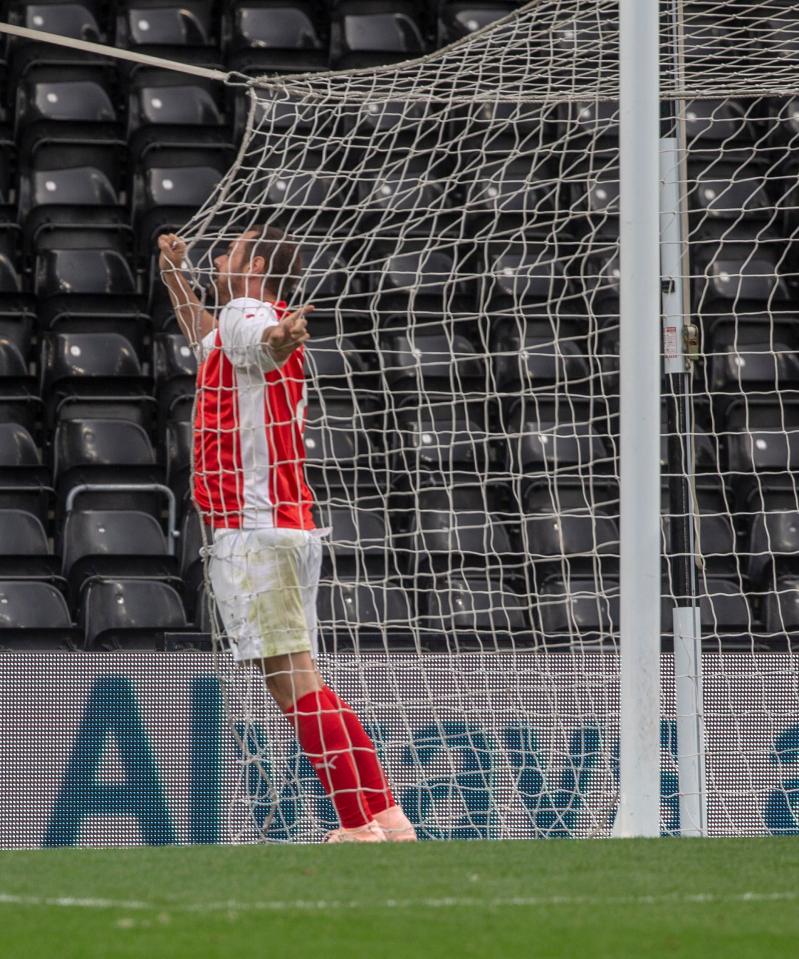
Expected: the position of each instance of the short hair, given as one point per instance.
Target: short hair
(282, 258)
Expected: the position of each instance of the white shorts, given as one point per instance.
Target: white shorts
(265, 583)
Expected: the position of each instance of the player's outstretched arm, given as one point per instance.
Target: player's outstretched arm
(282, 340)
(195, 321)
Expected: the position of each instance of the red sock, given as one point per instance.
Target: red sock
(326, 742)
(372, 776)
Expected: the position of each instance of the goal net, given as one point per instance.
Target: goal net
(458, 218)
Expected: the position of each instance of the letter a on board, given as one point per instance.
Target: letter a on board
(112, 712)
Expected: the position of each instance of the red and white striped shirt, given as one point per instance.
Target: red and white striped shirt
(249, 453)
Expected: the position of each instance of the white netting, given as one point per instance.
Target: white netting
(458, 218)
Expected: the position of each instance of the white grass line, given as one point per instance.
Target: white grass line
(446, 902)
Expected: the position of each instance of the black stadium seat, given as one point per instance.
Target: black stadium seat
(92, 452)
(458, 19)
(24, 550)
(363, 613)
(434, 446)
(34, 616)
(87, 375)
(102, 544)
(24, 482)
(276, 36)
(59, 95)
(473, 610)
(158, 98)
(129, 614)
(371, 32)
(581, 609)
(79, 20)
(145, 23)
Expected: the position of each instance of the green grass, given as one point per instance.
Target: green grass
(592, 899)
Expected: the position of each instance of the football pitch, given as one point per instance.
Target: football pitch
(631, 898)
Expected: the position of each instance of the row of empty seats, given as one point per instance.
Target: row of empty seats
(259, 36)
(447, 613)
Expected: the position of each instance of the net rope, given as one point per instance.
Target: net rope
(458, 217)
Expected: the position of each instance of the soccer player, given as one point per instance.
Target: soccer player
(250, 489)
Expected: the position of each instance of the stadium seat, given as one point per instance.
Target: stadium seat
(335, 368)
(496, 128)
(175, 375)
(83, 277)
(81, 21)
(737, 263)
(73, 95)
(129, 614)
(373, 33)
(19, 400)
(145, 23)
(781, 606)
(509, 192)
(87, 375)
(363, 613)
(24, 482)
(414, 277)
(416, 193)
(431, 363)
(158, 98)
(453, 529)
(459, 19)
(437, 446)
(34, 616)
(773, 545)
(725, 612)
(300, 195)
(720, 126)
(580, 610)
(547, 447)
(10, 274)
(596, 121)
(191, 562)
(526, 360)
(341, 460)
(176, 178)
(528, 273)
(731, 191)
(327, 281)
(358, 542)
(177, 451)
(465, 611)
(763, 449)
(92, 272)
(578, 539)
(276, 36)
(716, 541)
(593, 190)
(96, 452)
(174, 170)
(744, 355)
(60, 176)
(102, 544)
(24, 550)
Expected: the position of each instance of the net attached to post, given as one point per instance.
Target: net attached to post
(458, 221)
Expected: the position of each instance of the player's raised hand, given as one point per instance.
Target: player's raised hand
(172, 251)
(290, 332)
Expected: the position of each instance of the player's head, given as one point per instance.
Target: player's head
(260, 263)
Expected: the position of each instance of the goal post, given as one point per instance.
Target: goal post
(639, 401)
